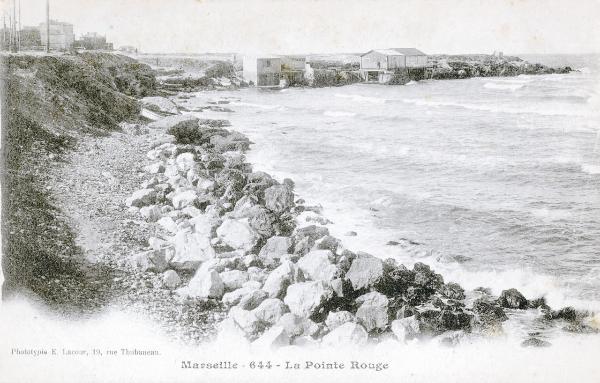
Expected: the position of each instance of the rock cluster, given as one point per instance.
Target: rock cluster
(228, 233)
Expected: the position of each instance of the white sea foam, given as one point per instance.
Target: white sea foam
(259, 106)
(505, 86)
(590, 168)
(334, 113)
(359, 98)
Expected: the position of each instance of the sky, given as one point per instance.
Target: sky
(332, 26)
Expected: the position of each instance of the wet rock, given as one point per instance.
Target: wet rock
(274, 248)
(279, 279)
(453, 290)
(238, 234)
(143, 197)
(205, 284)
(426, 278)
(328, 243)
(364, 272)
(336, 319)
(233, 279)
(347, 334)
(191, 249)
(279, 199)
(312, 232)
(488, 313)
(435, 321)
(263, 221)
(183, 198)
(580, 328)
(395, 280)
(253, 299)
(512, 299)
(406, 328)
(535, 342)
(373, 311)
(350, 234)
(274, 337)
(270, 310)
(566, 313)
(316, 265)
(305, 298)
(171, 279)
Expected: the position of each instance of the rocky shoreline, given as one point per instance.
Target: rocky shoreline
(204, 240)
(240, 239)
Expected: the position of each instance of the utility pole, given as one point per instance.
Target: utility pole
(47, 26)
(19, 27)
(14, 26)
(4, 30)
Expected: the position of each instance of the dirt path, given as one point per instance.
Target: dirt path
(90, 189)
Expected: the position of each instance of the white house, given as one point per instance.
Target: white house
(380, 64)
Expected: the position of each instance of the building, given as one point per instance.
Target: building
(262, 71)
(93, 41)
(381, 64)
(293, 69)
(61, 35)
(128, 49)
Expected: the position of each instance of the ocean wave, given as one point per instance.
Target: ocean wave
(566, 110)
(359, 98)
(590, 168)
(333, 113)
(506, 86)
(260, 106)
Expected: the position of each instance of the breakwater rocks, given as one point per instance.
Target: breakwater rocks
(233, 236)
(465, 66)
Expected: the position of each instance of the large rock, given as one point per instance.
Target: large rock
(317, 266)
(279, 279)
(279, 198)
(168, 224)
(489, 314)
(512, 299)
(453, 291)
(246, 320)
(185, 162)
(234, 297)
(238, 234)
(426, 278)
(205, 284)
(171, 279)
(406, 328)
(151, 213)
(177, 121)
(234, 279)
(191, 249)
(293, 324)
(270, 310)
(373, 311)
(336, 319)
(364, 271)
(253, 299)
(153, 260)
(305, 298)
(141, 198)
(184, 198)
(274, 249)
(160, 104)
(274, 337)
(347, 334)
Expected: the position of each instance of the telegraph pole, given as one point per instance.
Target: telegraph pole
(19, 28)
(47, 26)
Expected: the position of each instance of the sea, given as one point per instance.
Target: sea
(494, 182)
